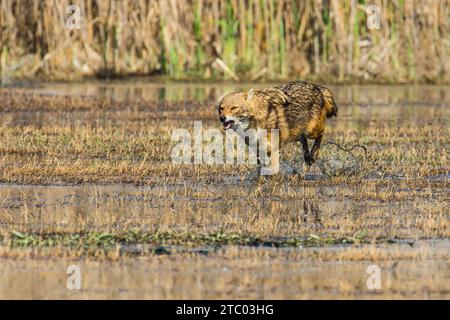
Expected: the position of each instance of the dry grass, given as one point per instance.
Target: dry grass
(74, 140)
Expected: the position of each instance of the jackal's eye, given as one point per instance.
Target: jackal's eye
(233, 109)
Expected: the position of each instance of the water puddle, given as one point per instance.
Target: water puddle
(295, 210)
(151, 90)
(418, 271)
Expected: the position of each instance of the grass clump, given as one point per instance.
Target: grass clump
(161, 240)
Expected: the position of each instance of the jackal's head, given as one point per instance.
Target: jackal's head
(233, 111)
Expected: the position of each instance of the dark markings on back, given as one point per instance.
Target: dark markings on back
(305, 97)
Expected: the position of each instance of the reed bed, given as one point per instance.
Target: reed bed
(229, 39)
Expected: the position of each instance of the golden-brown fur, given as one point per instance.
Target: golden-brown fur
(298, 109)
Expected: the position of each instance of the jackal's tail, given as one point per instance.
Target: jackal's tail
(329, 104)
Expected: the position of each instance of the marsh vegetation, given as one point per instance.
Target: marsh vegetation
(231, 39)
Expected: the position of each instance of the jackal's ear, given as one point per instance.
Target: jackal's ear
(250, 95)
(219, 99)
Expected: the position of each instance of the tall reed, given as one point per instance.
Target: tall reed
(253, 39)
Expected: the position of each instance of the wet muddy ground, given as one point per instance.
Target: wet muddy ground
(87, 179)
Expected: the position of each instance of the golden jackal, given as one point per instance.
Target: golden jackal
(298, 109)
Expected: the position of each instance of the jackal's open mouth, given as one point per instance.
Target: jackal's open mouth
(228, 124)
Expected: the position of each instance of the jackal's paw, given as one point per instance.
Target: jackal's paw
(309, 159)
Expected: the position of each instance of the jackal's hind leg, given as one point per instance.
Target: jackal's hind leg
(315, 149)
(306, 154)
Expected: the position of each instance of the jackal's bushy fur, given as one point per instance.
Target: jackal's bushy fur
(298, 109)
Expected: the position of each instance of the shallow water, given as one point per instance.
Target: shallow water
(150, 90)
(417, 271)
